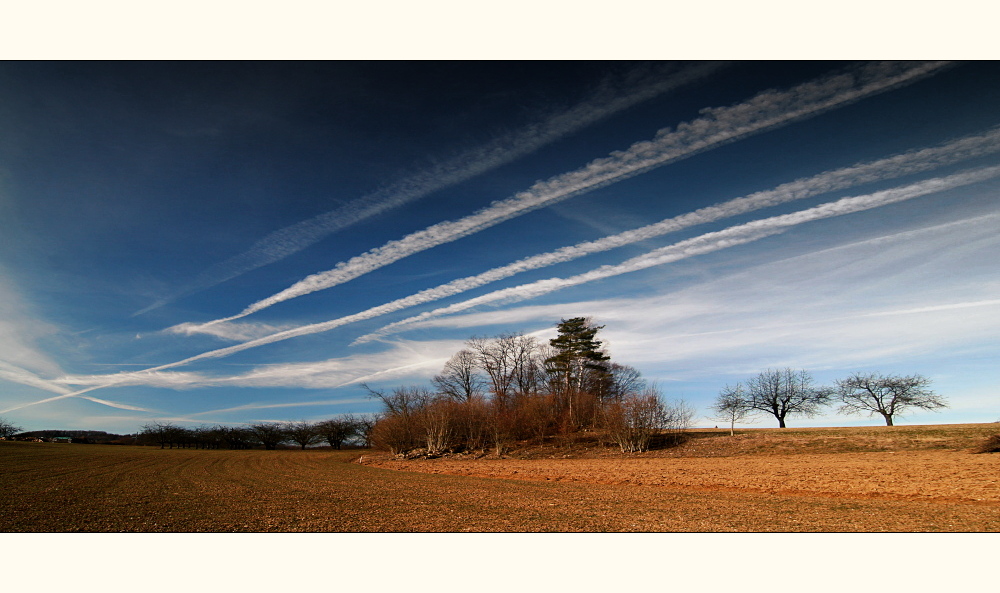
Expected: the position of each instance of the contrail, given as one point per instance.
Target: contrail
(16, 374)
(706, 243)
(604, 102)
(716, 127)
(895, 166)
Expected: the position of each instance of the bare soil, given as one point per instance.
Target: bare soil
(902, 479)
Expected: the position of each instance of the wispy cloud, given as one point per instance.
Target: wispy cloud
(858, 303)
(16, 374)
(716, 127)
(609, 98)
(749, 317)
(706, 243)
(405, 358)
(237, 332)
(880, 170)
(26, 378)
(21, 329)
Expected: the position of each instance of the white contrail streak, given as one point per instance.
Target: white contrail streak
(716, 127)
(706, 243)
(896, 166)
(606, 101)
(17, 374)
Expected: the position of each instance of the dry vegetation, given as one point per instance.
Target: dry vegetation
(923, 478)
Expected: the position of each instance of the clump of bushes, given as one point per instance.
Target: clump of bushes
(990, 445)
(512, 388)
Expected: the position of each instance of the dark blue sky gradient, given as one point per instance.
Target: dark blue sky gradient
(124, 183)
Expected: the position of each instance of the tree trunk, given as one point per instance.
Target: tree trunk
(781, 422)
(888, 419)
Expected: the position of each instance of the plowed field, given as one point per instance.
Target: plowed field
(917, 480)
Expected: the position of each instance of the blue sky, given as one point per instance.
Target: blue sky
(203, 242)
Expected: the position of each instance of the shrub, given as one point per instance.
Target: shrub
(393, 434)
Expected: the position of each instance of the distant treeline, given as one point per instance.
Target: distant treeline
(345, 430)
(77, 436)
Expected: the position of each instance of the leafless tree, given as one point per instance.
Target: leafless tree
(732, 405)
(8, 429)
(236, 437)
(337, 431)
(460, 379)
(366, 422)
(785, 392)
(497, 357)
(269, 434)
(438, 420)
(633, 422)
(164, 434)
(401, 401)
(302, 433)
(886, 395)
(528, 366)
(624, 381)
(472, 424)
(398, 430)
(501, 422)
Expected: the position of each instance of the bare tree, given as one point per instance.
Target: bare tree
(529, 367)
(164, 434)
(783, 393)
(269, 434)
(235, 437)
(732, 405)
(366, 422)
(624, 381)
(886, 395)
(8, 429)
(398, 430)
(497, 357)
(337, 431)
(460, 379)
(302, 433)
(438, 419)
(634, 421)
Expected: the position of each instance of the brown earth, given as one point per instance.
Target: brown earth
(903, 479)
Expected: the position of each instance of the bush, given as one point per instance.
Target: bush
(637, 420)
(991, 445)
(394, 434)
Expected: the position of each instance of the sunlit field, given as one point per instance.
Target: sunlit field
(825, 479)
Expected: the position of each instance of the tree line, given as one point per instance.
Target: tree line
(784, 392)
(512, 387)
(336, 432)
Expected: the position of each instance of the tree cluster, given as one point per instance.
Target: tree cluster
(784, 392)
(8, 429)
(511, 387)
(336, 432)
(78, 436)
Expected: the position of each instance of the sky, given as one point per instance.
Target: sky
(226, 242)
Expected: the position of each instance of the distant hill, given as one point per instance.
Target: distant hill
(78, 436)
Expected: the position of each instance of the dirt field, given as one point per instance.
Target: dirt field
(904, 479)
